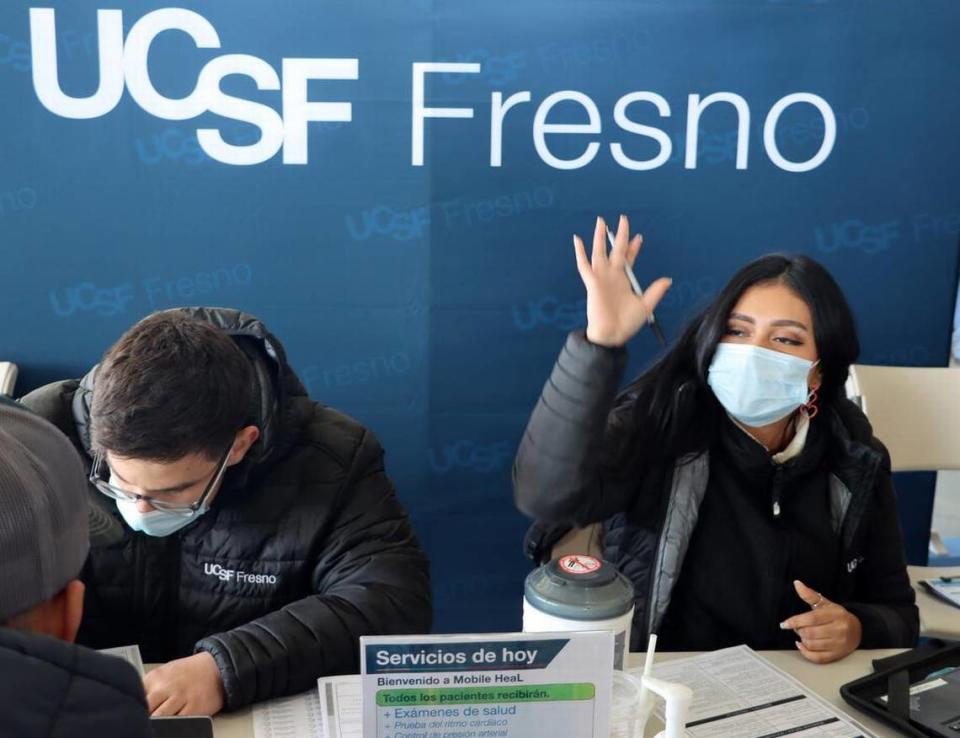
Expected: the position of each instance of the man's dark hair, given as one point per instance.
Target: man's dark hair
(171, 386)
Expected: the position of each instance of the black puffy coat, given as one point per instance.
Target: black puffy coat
(52, 689)
(305, 549)
(565, 475)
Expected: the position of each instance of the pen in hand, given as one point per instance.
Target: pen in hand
(638, 291)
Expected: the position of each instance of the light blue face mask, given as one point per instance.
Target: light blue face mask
(157, 523)
(758, 386)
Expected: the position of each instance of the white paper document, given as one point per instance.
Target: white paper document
(289, 717)
(341, 706)
(739, 694)
(130, 654)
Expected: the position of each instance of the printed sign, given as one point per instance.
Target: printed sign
(499, 685)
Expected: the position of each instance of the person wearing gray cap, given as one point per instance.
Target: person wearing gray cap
(51, 687)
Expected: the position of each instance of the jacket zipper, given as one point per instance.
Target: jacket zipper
(775, 491)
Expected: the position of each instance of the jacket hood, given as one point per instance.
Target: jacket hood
(275, 384)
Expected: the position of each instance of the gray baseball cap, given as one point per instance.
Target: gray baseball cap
(43, 510)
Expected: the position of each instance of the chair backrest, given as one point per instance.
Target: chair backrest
(8, 377)
(915, 411)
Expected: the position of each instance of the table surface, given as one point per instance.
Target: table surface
(825, 680)
(938, 619)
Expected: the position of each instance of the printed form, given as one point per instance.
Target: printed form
(341, 702)
(739, 694)
(333, 710)
(289, 717)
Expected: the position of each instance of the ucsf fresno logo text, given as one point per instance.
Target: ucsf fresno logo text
(123, 64)
(241, 577)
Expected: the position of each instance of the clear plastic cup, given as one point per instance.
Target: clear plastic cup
(628, 711)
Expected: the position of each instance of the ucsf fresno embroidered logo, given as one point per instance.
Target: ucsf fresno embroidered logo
(235, 575)
(853, 564)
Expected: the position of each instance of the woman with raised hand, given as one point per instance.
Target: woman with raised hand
(737, 488)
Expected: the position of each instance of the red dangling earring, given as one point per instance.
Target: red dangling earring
(809, 408)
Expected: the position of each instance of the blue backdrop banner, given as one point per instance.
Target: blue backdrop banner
(392, 187)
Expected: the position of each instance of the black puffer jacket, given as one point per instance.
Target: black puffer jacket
(305, 549)
(52, 689)
(566, 475)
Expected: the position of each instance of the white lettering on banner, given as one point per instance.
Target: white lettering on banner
(541, 128)
(137, 47)
(620, 116)
(127, 63)
(594, 126)
(695, 107)
(829, 132)
(420, 111)
(43, 49)
(124, 63)
(262, 116)
(241, 577)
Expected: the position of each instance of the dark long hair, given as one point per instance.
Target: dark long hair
(672, 403)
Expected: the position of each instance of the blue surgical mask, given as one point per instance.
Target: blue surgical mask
(758, 386)
(157, 523)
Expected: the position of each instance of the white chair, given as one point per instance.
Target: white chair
(8, 377)
(915, 411)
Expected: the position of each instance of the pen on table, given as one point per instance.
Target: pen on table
(638, 291)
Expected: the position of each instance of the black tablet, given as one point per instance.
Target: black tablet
(182, 727)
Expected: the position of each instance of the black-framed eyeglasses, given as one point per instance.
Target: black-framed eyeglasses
(100, 472)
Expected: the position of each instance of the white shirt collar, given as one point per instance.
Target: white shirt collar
(794, 448)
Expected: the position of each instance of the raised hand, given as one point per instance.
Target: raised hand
(614, 313)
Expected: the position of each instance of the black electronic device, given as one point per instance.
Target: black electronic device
(181, 727)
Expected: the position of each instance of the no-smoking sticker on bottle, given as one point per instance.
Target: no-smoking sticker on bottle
(579, 564)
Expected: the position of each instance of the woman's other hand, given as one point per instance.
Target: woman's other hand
(828, 632)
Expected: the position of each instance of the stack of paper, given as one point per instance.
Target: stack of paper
(289, 717)
(736, 692)
(333, 710)
(130, 654)
(341, 701)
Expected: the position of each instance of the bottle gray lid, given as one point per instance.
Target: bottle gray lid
(579, 587)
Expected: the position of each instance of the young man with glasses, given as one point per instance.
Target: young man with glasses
(260, 536)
